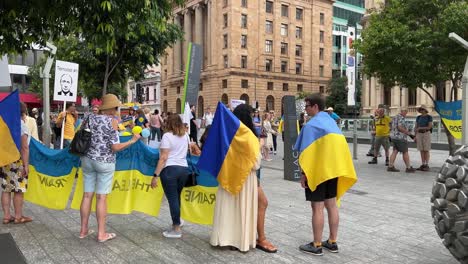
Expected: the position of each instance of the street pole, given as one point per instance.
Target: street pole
(453, 36)
(355, 143)
(45, 74)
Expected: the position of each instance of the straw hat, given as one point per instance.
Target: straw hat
(421, 108)
(109, 101)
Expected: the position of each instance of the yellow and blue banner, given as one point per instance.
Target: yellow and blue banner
(230, 150)
(51, 176)
(325, 154)
(10, 129)
(451, 115)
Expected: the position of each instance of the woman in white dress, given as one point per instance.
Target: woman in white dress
(268, 131)
(235, 216)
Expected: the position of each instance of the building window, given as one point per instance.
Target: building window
(244, 3)
(224, 84)
(225, 59)
(299, 13)
(321, 54)
(154, 95)
(322, 89)
(165, 74)
(321, 70)
(245, 84)
(268, 46)
(269, 7)
(225, 41)
(298, 51)
(284, 66)
(300, 87)
(165, 92)
(269, 85)
(285, 87)
(178, 90)
(244, 62)
(284, 48)
(298, 32)
(200, 87)
(244, 41)
(225, 20)
(269, 27)
(268, 65)
(243, 21)
(322, 36)
(298, 68)
(412, 96)
(284, 29)
(284, 10)
(322, 19)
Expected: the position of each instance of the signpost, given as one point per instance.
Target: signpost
(45, 75)
(351, 76)
(292, 171)
(192, 75)
(65, 86)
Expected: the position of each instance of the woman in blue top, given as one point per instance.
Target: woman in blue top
(257, 122)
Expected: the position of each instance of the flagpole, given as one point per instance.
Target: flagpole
(63, 124)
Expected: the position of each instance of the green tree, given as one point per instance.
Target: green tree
(123, 36)
(406, 43)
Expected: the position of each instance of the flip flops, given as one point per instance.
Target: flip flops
(8, 220)
(266, 246)
(90, 232)
(109, 236)
(23, 220)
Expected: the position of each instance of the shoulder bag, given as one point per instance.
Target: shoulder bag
(193, 171)
(82, 140)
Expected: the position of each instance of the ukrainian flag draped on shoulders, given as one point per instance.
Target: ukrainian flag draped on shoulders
(325, 154)
(10, 129)
(230, 151)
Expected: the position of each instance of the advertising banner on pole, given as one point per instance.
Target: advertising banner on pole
(351, 67)
(192, 75)
(66, 81)
(292, 171)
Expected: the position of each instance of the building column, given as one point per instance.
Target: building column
(208, 31)
(176, 50)
(199, 28)
(188, 33)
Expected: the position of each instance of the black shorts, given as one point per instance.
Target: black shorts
(325, 190)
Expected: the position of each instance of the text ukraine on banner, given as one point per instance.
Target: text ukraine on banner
(451, 115)
(131, 187)
(320, 142)
(230, 151)
(10, 129)
(51, 176)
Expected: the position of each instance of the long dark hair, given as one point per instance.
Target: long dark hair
(243, 112)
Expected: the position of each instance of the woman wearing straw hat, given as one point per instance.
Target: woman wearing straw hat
(423, 131)
(98, 164)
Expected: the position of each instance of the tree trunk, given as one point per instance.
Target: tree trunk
(106, 76)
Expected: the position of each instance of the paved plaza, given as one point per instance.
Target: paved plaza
(385, 218)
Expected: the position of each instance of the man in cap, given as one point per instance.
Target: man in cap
(423, 132)
(398, 134)
(334, 115)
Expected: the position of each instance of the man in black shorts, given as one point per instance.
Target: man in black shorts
(323, 196)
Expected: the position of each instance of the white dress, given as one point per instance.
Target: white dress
(235, 217)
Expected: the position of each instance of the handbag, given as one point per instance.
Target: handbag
(193, 172)
(82, 140)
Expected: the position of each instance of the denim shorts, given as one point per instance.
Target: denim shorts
(97, 176)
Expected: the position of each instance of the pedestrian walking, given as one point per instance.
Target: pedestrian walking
(423, 131)
(372, 131)
(382, 135)
(399, 133)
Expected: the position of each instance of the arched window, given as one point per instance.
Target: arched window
(178, 108)
(165, 106)
(270, 103)
(201, 108)
(245, 97)
(225, 99)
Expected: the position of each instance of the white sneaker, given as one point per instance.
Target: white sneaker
(182, 222)
(172, 234)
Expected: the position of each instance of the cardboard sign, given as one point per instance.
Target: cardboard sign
(66, 81)
(236, 102)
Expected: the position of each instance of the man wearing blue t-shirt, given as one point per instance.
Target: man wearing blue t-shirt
(423, 132)
(334, 115)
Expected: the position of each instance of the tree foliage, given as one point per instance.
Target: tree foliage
(407, 42)
(121, 37)
(338, 95)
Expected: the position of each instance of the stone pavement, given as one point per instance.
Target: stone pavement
(385, 218)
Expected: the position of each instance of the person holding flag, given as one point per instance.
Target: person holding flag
(321, 143)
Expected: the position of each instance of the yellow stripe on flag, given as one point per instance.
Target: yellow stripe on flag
(454, 126)
(8, 151)
(239, 160)
(198, 203)
(131, 191)
(48, 191)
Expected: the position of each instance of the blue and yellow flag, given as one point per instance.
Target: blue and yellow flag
(51, 176)
(230, 151)
(325, 154)
(451, 115)
(10, 129)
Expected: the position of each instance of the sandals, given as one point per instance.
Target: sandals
(8, 220)
(109, 236)
(266, 246)
(22, 220)
(90, 232)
